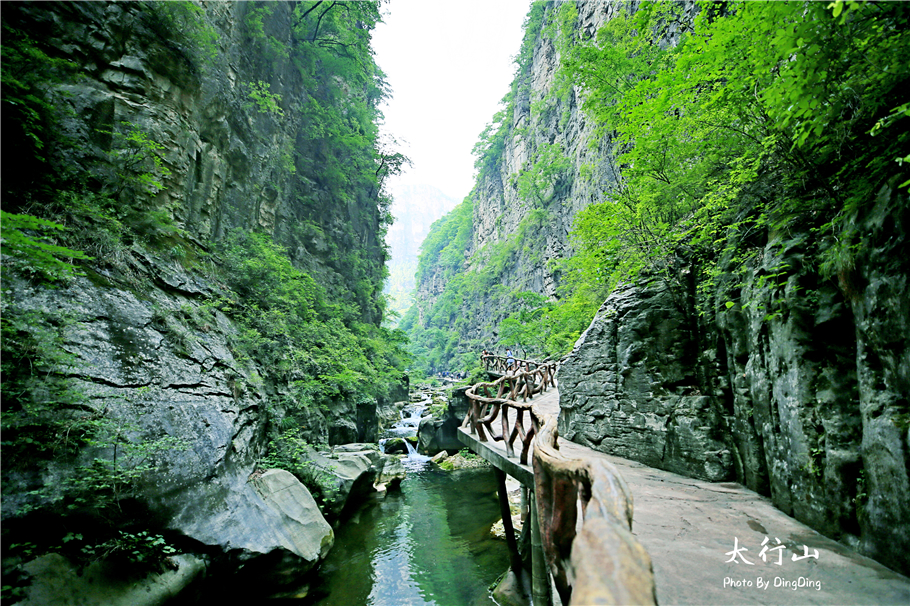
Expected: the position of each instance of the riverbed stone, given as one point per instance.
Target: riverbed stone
(391, 473)
(342, 477)
(57, 581)
(298, 524)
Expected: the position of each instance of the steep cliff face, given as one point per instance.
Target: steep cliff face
(773, 374)
(191, 123)
(233, 162)
(415, 208)
(798, 391)
(540, 162)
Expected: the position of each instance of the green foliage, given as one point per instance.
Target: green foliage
(703, 122)
(322, 342)
(466, 453)
(138, 548)
(446, 243)
(303, 338)
(264, 101)
(184, 21)
(24, 244)
(437, 341)
(339, 154)
(136, 161)
(540, 181)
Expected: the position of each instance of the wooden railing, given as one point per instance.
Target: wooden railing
(598, 561)
(601, 562)
(486, 407)
(504, 364)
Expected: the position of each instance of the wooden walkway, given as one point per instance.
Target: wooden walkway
(692, 530)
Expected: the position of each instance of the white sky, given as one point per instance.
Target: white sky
(449, 62)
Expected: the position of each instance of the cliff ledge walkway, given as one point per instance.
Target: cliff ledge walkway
(706, 543)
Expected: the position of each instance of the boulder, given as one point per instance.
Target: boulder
(295, 519)
(56, 581)
(391, 473)
(342, 477)
(397, 445)
(435, 435)
(387, 468)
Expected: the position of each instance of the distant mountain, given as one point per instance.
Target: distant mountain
(415, 208)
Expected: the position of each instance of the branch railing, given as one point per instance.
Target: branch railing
(599, 561)
(486, 408)
(504, 364)
(594, 560)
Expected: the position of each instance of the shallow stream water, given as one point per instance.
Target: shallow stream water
(428, 543)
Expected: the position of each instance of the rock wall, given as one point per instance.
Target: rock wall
(499, 209)
(632, 388)
(131, 332)
(799, 391)
(231, 165)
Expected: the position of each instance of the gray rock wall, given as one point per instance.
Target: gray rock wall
(631, 388)
(131, 333)
(499, 209)
(799, 391)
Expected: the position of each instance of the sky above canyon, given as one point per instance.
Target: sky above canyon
(449, 63)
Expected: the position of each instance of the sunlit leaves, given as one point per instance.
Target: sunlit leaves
(701, 121)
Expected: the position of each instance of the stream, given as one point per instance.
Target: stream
(428, 543)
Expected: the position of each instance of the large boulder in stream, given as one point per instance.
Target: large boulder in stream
(435, 435)
(349, 472)
(294, 520)
(270, 523)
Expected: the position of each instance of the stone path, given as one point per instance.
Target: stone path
(691, 529)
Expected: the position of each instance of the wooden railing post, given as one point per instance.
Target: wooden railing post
(508, 529)
(540, 578)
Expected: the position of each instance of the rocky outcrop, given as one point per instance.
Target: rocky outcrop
(631, 388)
(57, 582)
(799, 390)
(349, 473)
(435, 435)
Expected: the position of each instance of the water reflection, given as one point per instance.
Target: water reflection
(427, 544)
